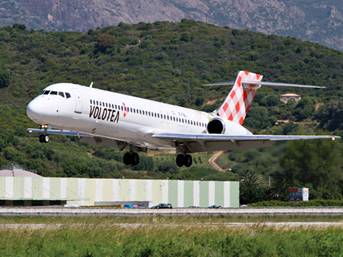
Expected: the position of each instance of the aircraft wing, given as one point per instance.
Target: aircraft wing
(229, 138)
(86, 138)
(222, 142)
(62, 132)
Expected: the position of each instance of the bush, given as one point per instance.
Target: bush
(317, 202)
(4, 79)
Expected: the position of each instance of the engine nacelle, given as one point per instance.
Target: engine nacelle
(216, 126)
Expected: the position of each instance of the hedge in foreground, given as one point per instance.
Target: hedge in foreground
(312, 203)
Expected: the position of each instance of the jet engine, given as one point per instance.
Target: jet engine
(216, 126)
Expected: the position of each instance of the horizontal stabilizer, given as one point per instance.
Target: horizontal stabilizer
(261, 83)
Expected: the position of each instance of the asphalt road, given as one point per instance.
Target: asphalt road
(250, 225)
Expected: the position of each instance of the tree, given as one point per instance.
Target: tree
(250, 189)
(330, 116)
(19, 26)
(259, 118)
(270, 100)
(104, 42)
(304, 109)
(317, 165)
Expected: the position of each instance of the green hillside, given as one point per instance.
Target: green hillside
(168, 62)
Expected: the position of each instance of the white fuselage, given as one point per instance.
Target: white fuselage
(117, 116)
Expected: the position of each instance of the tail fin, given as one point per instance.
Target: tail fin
(238, 103)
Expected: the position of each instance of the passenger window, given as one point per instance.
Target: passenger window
(67, 95)
(53, 93)
(46, 92)
(61, 94)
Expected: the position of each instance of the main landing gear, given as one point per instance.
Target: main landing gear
(43, 138)
(131, 158)
(184, 160)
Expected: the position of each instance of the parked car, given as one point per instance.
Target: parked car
(162, 206)
(214, 206)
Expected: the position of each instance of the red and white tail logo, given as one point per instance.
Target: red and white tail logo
(238, 103)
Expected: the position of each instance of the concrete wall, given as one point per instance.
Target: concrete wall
(84, 191)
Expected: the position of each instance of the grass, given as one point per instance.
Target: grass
(110, 241)
(186, 236)
(157, 220)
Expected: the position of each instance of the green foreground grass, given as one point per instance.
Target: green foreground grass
(145, 241)
(156, 220)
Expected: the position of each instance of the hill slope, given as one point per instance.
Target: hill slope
(318, 20)
(163, 61)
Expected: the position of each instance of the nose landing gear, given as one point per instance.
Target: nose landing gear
(184, 160)
(43, 138)
(131, 158)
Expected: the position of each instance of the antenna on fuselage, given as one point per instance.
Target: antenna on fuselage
(91, 85)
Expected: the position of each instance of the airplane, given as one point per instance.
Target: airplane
(86, 112)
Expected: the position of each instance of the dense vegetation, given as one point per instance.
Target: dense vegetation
(89, 241)
(170, 62)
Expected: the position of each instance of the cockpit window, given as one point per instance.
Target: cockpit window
(67, 95)
(61, 94)
(46, 92)
(53, 93)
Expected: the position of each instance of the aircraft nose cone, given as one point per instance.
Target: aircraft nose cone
(33, 110)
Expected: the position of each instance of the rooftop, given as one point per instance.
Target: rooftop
(17, 173)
